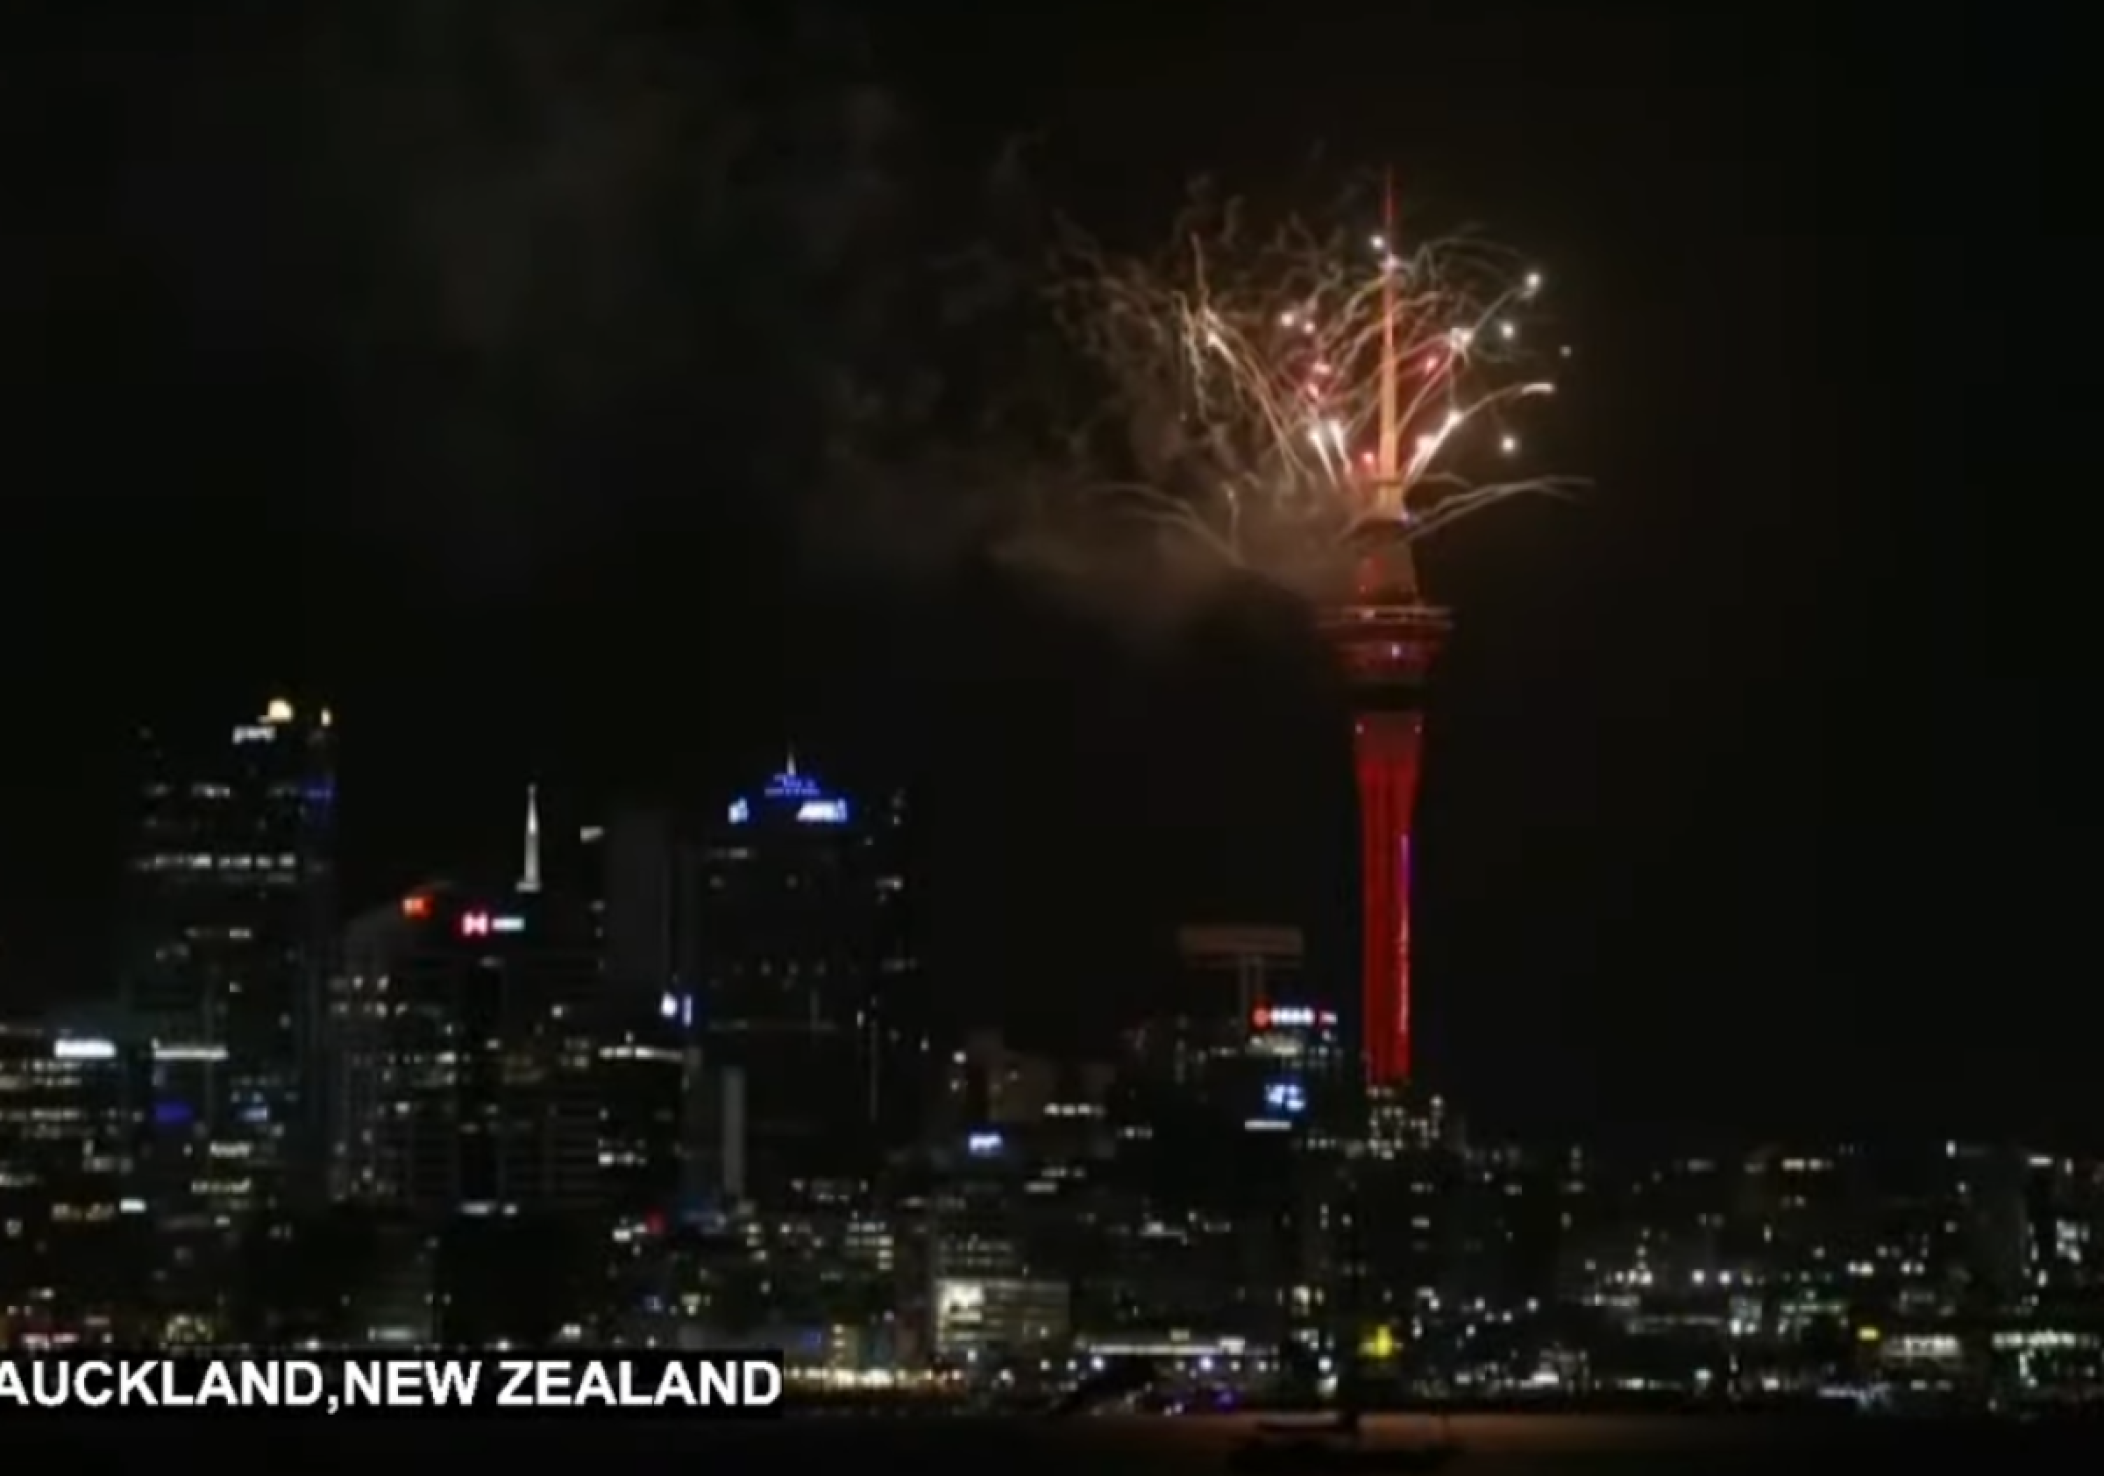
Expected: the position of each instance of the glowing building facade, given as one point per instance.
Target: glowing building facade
(72, 1234)
(230, 923)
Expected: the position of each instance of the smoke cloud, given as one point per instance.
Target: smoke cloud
(618, 259)
(515, 278)
(531, 272)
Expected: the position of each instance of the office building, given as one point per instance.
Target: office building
(228, 922)
(807, 986)
(73, 1237)
(462, 1052)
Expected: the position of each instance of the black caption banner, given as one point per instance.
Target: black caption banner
(687, 1384)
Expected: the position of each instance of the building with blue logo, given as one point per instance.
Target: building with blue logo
(808, 989)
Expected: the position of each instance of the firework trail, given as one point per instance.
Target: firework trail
(1289, 396)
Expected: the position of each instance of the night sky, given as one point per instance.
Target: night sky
(453, 361)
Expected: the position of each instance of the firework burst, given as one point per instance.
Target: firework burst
(1295, 400)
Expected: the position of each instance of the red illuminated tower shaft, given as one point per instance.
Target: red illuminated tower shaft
(1386, 650)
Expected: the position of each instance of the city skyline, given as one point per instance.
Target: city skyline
(494, 851)
(1683, 777)
(1319, 712)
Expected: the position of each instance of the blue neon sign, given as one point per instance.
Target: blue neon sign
(1288, 1097)
(791, 785)
(813, 806)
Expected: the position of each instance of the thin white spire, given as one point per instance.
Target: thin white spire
(530, 879)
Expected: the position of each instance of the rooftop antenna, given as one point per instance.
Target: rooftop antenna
(530, 878)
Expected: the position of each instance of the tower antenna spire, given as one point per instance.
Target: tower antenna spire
(1388, 476)
(530, 877)
(1391, 573)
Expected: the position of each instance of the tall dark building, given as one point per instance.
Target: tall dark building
(640, 878)
(228, 926)
(461, 1052)
(809, 989)
(640, 882)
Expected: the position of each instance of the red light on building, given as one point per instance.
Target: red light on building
(416, 906)
(474, 925)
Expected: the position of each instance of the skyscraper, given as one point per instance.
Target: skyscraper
(461, 1048)
(652, 1083)
(808, 988)
(228, 925)
(641, 876)
(73, 1240)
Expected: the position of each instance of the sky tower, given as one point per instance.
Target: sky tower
(1385, 637)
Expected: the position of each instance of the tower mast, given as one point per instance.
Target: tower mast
(1388, 476)
(1391, 574)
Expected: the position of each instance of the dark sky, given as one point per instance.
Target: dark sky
(454, 360)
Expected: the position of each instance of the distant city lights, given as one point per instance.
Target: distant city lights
(677, 1007)
(168, 1051)
(1291, 1017)
(483, 925)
